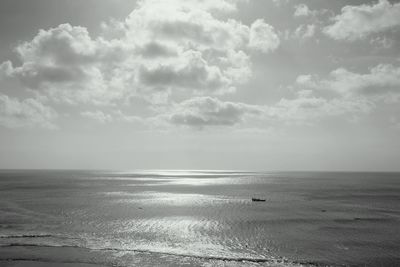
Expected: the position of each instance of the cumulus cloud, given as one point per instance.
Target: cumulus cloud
(382, 42)
(183, 23)
(263, 37)
(200, 112)
(305, 31)
(382, 81)
(189, 71)
(6, 69)
(342, 93)
(358, 22)
(15, 113)
(162, 46)
(307, 108)
(302, 10)
(68, 65)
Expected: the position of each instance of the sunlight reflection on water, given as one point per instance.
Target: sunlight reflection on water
(165, 198)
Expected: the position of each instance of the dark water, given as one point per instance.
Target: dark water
(200, 218)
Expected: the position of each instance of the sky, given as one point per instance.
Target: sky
(263, 85)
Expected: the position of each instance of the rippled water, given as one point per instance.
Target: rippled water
(200, 218)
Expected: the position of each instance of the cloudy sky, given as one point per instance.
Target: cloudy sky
(200, 84)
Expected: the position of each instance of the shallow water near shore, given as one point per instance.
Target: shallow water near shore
(199, 218)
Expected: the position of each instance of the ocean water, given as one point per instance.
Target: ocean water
(199, 218)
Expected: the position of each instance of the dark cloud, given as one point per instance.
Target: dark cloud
(155, 49)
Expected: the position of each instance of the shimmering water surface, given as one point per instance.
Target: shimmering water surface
(200, 218)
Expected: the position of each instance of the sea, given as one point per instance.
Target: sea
(198, 218)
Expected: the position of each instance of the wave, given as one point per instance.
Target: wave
(271, 260)
(47, 240)
(219, 258)
(367, 219)
(27, 236)
(50, 261)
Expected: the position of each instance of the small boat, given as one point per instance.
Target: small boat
(257, 199)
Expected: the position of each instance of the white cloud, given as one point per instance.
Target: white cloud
(183, 23)
(382, 81)
(162, 47)
(6, 69)
(189, 71)
(307, 108)
(305, 31)
(302, 10)
(263, 37)
(342, 93)
(201, 112)
(26, 113)
(358, 22)
(66, 64)
(382, 42)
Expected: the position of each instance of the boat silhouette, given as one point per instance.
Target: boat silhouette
(257, 199)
